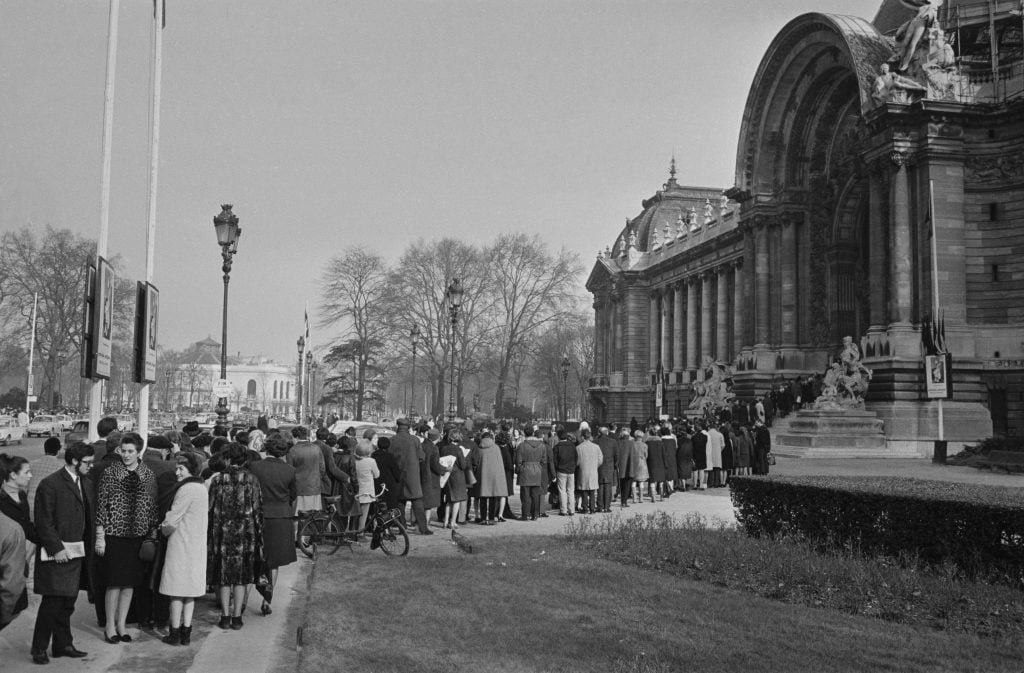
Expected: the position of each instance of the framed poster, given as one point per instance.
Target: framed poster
(150, 322)
(88, 353)
(938, 377)
(103, 320)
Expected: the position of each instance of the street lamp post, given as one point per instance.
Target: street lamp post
(167, 389)
(228, 233)
(415, 334)
(453, 295)
(309, 384)
(301, 344)
(565, 380)
(314, 391)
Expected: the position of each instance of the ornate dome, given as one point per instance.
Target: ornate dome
(669, 205)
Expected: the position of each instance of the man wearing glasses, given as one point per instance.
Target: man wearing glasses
(64, 511)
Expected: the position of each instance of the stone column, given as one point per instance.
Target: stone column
(677, 329)
(762, 277)
(666, 329)
(789, 291)
(877, 246)
(738, 307)
(654, 334)
(722, 340)
(900, 270)
(617, 335)
(706, 333)
(691, 324)
(600, 330)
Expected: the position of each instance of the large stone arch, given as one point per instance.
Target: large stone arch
(812, 50)
(800, 153)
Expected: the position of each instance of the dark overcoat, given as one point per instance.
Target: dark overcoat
(655, 458)
(624, 458)
(408, 454)
(430, 475)
(606, 470)
(63, 516)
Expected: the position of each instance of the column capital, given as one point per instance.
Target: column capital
(723, 269)
(736, 264)
(792, 218)
(692, 280)
(898, 158)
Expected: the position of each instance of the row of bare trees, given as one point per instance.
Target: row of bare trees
(521, 311)
(51, 265)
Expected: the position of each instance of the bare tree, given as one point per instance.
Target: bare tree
(52, 266)
(532, 284)
(354, 289)
(417, 297)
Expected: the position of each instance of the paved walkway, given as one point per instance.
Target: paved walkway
(268, 643)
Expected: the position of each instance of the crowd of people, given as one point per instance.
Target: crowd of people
(147, 528)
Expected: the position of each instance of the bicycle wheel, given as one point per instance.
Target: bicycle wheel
(311, 533)
(331, 537)
(394, 541)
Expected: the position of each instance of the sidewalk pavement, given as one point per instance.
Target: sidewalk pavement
(264, 644)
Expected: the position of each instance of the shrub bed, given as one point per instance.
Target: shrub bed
(797, 571)
(979, 529)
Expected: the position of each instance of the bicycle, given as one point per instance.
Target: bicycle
(326, 529)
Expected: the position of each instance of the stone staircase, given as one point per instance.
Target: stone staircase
(820, 433)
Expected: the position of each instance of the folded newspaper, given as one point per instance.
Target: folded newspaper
(74, 550)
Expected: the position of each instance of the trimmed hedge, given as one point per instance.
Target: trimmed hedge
(980, 529)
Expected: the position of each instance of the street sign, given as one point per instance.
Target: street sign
(222, 388)
(33, 398)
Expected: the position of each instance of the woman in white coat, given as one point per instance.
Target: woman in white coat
(184, 575)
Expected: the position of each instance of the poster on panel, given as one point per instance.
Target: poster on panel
(938, 376)
(150, 327)
(87, 350)
(103, 320)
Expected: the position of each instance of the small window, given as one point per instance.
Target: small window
(995, 273)
(993, 212)
(991, 134)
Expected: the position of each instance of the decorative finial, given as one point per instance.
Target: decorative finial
(672, 168)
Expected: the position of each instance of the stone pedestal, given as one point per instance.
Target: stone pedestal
(820, 433)
(912, 425)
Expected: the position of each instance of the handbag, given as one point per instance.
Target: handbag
(147, 552)
(771, 458)
(470, 478)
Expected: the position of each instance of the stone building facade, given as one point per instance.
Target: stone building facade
(866, 199)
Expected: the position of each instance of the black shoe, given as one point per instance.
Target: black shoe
(113, 640)
(186, 635)
(126, 638)
(173, 636)
(40, 657)
(426, 532)
(236, 623)
(543, 515)
(68, 651)
(225, 622)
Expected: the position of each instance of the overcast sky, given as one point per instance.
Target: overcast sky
(330, 123)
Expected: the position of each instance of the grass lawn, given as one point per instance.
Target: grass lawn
(542, 604)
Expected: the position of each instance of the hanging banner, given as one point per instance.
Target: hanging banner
(87, 351)
(938, 376)
(102, 320)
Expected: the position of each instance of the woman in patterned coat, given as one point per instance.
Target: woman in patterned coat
(126, 514)
(235, 556)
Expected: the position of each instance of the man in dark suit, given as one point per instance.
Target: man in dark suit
(408, 454)
(106, 426)
(64, 510)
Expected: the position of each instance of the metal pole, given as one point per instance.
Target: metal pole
(96, 387)
(30, 382)
(414, 372)
(222, 402)
(154, 156)
(451, 391)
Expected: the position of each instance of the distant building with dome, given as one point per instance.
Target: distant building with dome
(259, 384)
(879, 183)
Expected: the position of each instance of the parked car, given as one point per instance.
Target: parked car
(44, 424)
(10, 430)
(125, 423)
(79, 433)
(66, 421)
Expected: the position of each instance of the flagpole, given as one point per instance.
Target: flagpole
(935, 290)
(154, 156)
(96, 387)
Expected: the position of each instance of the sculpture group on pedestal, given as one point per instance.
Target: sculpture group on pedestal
(846, 380)
(715, 390)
